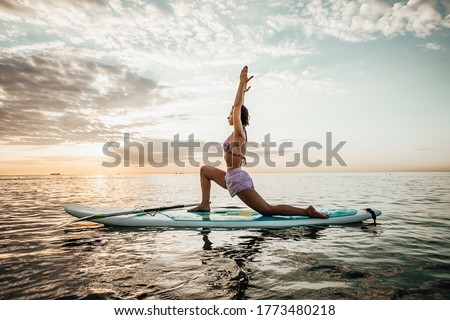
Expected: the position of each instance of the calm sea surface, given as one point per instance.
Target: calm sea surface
(405, 256)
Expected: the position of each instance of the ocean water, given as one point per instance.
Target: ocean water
(405, 256)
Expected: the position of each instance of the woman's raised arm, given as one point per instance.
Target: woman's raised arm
(238, 102)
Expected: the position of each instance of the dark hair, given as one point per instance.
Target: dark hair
(244, 116)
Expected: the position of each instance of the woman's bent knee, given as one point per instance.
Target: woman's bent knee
(203, 169)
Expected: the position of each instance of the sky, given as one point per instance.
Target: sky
(76, 75)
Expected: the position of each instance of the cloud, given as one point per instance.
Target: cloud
(13, 7)
(364, 20)
(46, 100)
(188, 36)
(181, 35)
(431, 46)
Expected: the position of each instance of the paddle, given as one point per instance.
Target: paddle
(122, 213)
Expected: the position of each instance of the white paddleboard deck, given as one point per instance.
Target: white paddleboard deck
(217, 218)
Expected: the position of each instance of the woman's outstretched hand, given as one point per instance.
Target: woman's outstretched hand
(244, 78)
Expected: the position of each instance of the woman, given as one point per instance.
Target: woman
(236, 180)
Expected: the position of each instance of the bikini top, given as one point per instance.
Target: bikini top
(227, 149)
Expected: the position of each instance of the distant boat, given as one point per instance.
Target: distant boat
(55, 174)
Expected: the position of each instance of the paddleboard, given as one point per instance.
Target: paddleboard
(217, 218)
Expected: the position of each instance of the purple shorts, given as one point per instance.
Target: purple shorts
(238, 180)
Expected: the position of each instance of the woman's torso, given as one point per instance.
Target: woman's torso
(234, 151)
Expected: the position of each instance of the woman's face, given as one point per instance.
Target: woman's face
(230, 117)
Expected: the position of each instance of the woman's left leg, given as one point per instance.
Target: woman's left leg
(253, 199)
(207, 174)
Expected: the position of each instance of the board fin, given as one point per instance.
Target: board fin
(374, 216)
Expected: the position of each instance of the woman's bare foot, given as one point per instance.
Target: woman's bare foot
(201, 208)
(313, 213)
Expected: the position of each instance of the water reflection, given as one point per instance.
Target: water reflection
(227, 264)
(244, 258)
(91, 262)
